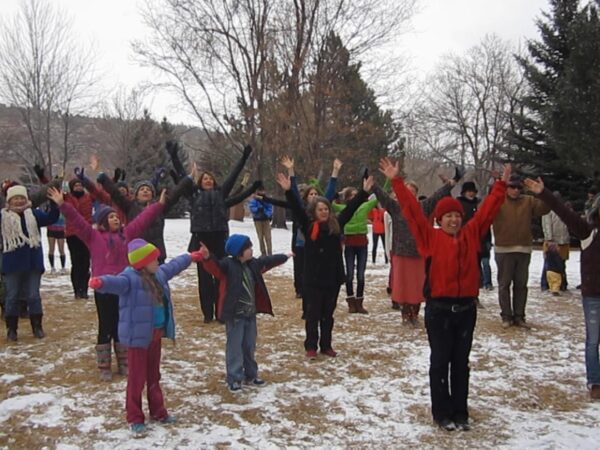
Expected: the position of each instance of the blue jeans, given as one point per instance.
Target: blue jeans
(240, 348)
(486, 272)
(591, 312)
(24, 285)
(360, 254)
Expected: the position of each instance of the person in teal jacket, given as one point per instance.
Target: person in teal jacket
(356, 249)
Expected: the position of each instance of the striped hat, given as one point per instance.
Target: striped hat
(141, 253)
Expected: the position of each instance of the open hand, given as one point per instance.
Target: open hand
(204, 251)
(535, 186)
(287, 162)
(368, 183)
(55, 195)
(284, 181)
(389, 169)
(163, 197)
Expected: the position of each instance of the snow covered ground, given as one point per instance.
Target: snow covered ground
(527, 388)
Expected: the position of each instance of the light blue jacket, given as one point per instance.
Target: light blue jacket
(136, 307)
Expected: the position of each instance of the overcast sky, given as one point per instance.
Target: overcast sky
(440, 27)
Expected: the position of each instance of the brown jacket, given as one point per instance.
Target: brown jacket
(512, 226)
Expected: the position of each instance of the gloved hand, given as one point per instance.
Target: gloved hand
(172, 148)
(79, 172)
(117, 175)
(176, 178)
(258, 185)
(39, 171)
(95, 283)
(159, 174)
(197, 256)
(459, 172)
(247, 151)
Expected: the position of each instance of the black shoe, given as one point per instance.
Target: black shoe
(462, 425)
(446, 424)
(207, 320)
(11, 335)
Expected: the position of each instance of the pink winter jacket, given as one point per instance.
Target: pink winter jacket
(108, 251)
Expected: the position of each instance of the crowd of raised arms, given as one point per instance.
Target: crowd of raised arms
(438, 249)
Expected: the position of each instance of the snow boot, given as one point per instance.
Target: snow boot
(351, 305)
(359, 306)
(36, 325)
(12, 323)
(103, 359)
(121, 353)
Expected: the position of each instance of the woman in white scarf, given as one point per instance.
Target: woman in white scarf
(22, 258)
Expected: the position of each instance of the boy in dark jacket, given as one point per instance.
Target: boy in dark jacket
(242, 294)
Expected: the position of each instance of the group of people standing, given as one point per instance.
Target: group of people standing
(439, 252)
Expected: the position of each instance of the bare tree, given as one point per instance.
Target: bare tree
(227, 58)
(48, 75)
(463, 113)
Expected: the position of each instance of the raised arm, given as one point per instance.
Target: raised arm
(122, 202)
(351, 207)
(234, 200)
(386, 201)
(266, 263)
(235, 172)
(294, 201)
(577, 225)
(175, 266)
(332, 183)
(110, 284)
(47, 218)
(143, 220)
(418, 223)
(83, 229)
(429, 203)
(98, 194)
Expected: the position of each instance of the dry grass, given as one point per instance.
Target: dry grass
(370, 346)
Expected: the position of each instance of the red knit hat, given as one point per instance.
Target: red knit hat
(446, 205)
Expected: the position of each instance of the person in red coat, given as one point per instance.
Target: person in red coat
(83, 202)
(376, 218)
(451, 289)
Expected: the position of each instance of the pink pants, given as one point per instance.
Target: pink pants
(144, 369)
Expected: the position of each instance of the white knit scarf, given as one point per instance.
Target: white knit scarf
(12, 232)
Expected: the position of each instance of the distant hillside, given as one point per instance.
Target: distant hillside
(90, 135)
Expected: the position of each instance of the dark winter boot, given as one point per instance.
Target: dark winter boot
(351, 305)
(405, 308)
(12, 323)
(36, 325)
(359, 306)
(121, 354)
(103, 359)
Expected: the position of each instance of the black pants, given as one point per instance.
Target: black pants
(320, 305)
(298, 270)
(376, 237)
(208, 286)
(80, 265)
(107, 307)
(450, 337)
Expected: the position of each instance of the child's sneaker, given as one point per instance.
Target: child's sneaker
(138, 430)
(236, 386)
(258, 382)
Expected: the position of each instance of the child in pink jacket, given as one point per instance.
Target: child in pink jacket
(108, 251)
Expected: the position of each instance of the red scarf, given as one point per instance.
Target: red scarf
(316, 227)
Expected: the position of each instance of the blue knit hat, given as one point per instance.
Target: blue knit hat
(236, 244)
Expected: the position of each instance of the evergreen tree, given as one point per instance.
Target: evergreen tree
(347, 120)
(557, 134)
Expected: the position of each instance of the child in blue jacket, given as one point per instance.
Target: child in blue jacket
(145, 317)
(242, 294)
